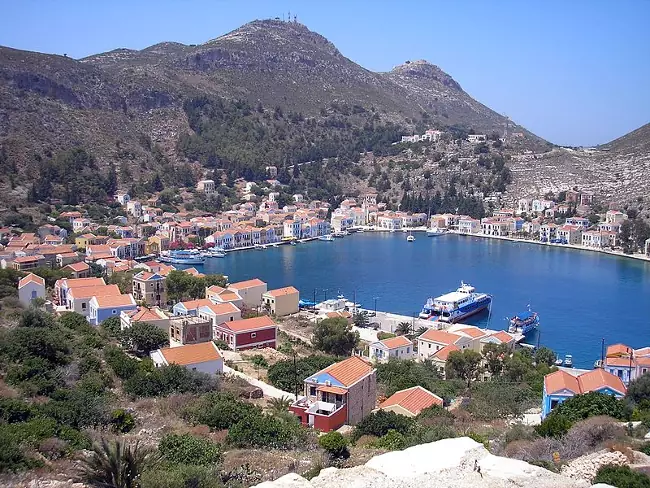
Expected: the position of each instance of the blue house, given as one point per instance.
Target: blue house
(105, 307)
(561, 385)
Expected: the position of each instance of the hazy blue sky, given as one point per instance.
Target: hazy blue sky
(572, 71)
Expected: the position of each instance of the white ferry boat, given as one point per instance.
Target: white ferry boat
(186, 256)
(457, 305)
(523, 323)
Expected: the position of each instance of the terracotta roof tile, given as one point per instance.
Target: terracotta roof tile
(221, 308)
(395, 342)
(503, 336)
(473, 332)
(92, 291)
(599, 378)
(349, 371)
(332, 389)
(440, 336)
(287, 290)
(114, 301)
(31, 278)
(618, 350)
(191, 353)
(414, 400)
(194, 304)
(144, 314)
(78, 267)
(443, 354)
(81, 282)
(247, 284)
(261, 322)
(561, 380)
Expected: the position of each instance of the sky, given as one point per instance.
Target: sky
(574, 72)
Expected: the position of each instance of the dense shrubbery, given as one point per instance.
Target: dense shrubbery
(335, 336)
(621, 477)
(167, 380)
(399, 374)
(143, 337)
(500, 399)
(335, 444)
(218, 411)
(379, 423)
(260, 430)
(189, 449)
(284, 376)
(592, 404)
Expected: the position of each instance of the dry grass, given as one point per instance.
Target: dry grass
(271, 464)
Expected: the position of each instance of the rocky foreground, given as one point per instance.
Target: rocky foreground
(458, 463)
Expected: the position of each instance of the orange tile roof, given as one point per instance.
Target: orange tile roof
(191, 353)
(395, 342)
(644, 351)
(414, 400)
(440, 336)
(31, 278)
(340, 314)
(619, 361)
(443, 354)
(114, 301)
(81, 282)
(28, 259)
(194, 272)
(473, 332)
(618, 350)
(261, 322)
(561, 380)
(332, 389)
(215, 289)
(92, 291)
(349, 371)
(287, 290)
(144, 314)
(642, 361)
(77, 267)
(599, 378)
(221, 308)
(247, 284)
(228, 296)
(503, 336)
(194, 304)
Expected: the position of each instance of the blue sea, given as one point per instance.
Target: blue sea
(582, 297)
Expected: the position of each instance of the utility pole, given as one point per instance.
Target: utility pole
(376, 305)
(295, 376)
(325, 291)
(314, 306)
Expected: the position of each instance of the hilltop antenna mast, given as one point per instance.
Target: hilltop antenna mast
(289, 16)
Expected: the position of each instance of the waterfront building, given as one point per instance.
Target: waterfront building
(547, 232)
(579, 221)
(250, 333)
(203, 357)
(569, 234)
(523, 206)
(411, 402)
(30, 288)
(399, 347)
(598, 239)
(389, 222)
(282, 301)
(468, 225)
(434, 340)
(492, 226)
(627, 363)
(250, 291)
(565, 383)
(343, 393)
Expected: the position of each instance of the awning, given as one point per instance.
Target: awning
(332, 389)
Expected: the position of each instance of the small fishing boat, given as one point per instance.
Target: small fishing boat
(559, 362)
(410, 238)
(435, 232)
(326, 238)
(568, 361)
(523, 323)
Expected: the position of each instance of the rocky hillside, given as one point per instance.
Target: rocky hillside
(447, 463)
(129, 107)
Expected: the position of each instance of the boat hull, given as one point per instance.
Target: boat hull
(465, 312)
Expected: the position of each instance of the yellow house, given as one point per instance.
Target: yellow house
(85, 240)
(281, 302)
(156, 244)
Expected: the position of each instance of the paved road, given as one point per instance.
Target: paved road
(269, 391)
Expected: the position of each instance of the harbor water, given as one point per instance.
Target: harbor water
(582, 297)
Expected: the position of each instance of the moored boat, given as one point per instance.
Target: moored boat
(327, 238)
(435, 232)
(568, 361)
(185, 256)
(456, 305)
(523, 323)
(410, 238)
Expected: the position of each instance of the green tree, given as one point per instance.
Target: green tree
(143, 337)
(639, 389)
(546, 356)
(113, 326)
(381, 422)
(403, 328)
(117, 465)
(335, 444)
(260, 430)
(361, 319)
(218, 411)
(464, 365)
(335, 336)
(288, 375)
(555, 425)
(36, 318)
(580, 407)
(495, 355)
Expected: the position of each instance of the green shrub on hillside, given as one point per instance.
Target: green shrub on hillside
(218, 411)
(380, 422)
(284, 376)
(167, 380)
(593, 404)
(621, 477)
(260, 430)
(335, 444)
(189, 449)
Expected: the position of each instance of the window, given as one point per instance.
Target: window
(114, 311)
(83, 306)
(253, 335)
(312, 391)
(34, 294)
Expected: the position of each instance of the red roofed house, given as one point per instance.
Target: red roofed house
(411, 402)
(104, 307)
(218, 313)
(439, 358)
(560, 385)
(24, 263)
(627, 363)
(281, 302)
(30, 288)
(150, 288)
(153, 316)
(343, 393)
(248, 333)
(251, 291)
(78, 270)
(203, 357)
(395, 347)
(434, 340)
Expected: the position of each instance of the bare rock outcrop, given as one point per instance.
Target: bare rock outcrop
(586, 467)
(457, 463)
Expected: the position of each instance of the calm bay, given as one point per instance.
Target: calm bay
(581, 296)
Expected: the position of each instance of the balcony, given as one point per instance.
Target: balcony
(321, 415)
